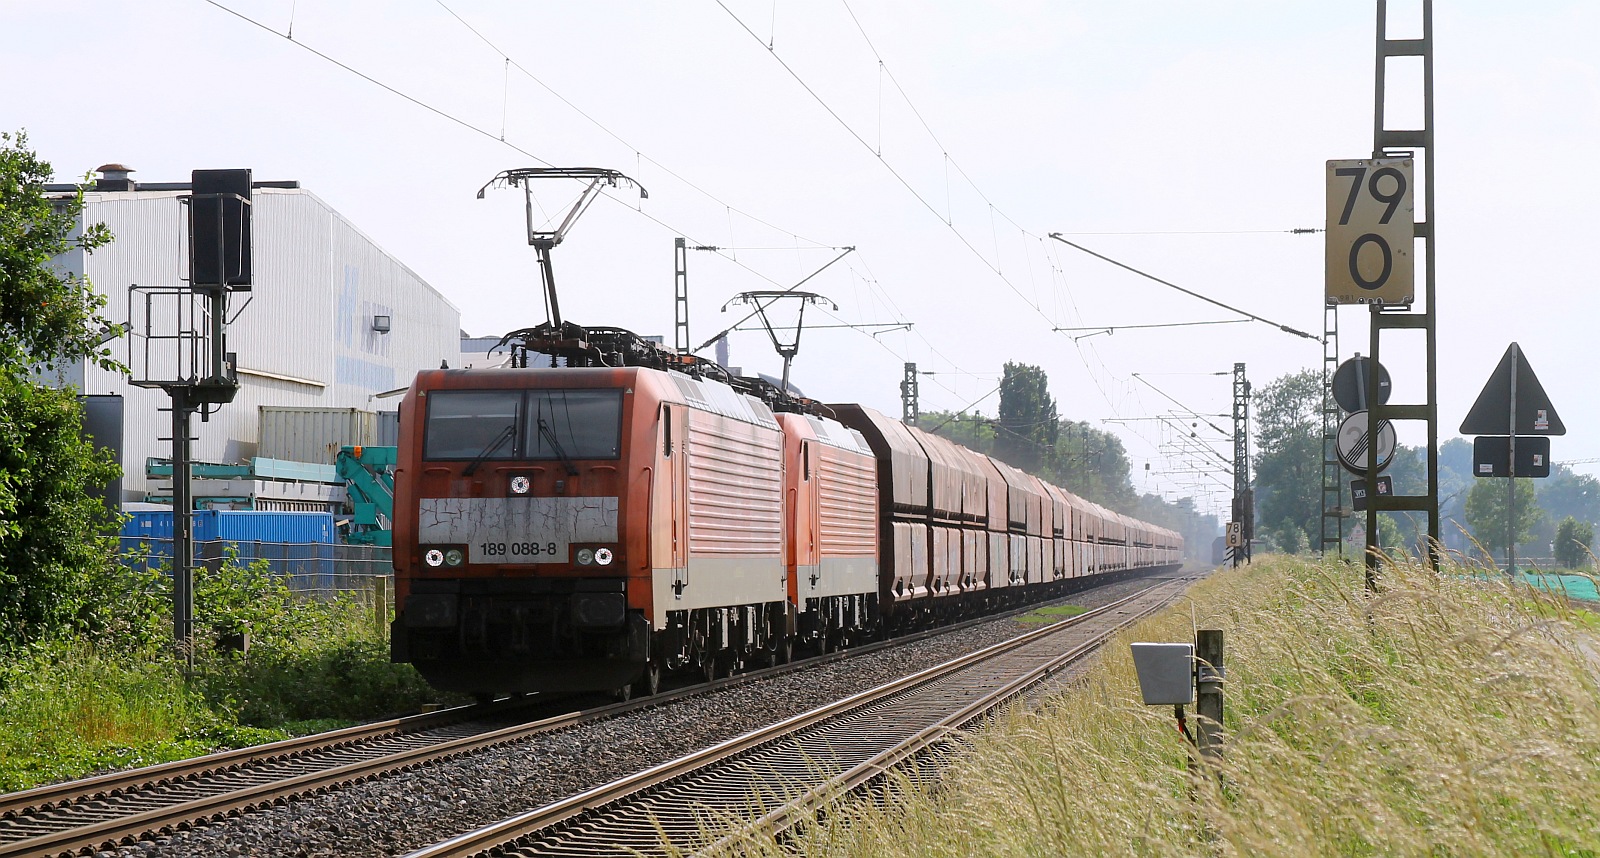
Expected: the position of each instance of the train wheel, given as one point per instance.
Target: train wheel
(708, 666)
(623, 694)
(649, 685)
(784, 653)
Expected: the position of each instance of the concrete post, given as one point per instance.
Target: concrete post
(1208, 690)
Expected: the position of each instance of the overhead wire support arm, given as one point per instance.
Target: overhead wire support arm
(1112, 329)
(1285, 328)
(888, 327)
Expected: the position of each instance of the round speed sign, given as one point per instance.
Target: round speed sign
(1353, 439)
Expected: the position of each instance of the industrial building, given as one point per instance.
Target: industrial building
(332, 321)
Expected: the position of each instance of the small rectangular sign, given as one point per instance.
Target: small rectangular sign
(1358, 491)
(1491, 456)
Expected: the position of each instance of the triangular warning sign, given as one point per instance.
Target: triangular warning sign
(1491, 414)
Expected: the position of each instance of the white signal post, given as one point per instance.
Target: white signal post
(1370, 232)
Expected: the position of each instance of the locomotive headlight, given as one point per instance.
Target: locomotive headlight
(434, 557)
(586, 556)
(520, 485)
(453, 557)
(602, 556)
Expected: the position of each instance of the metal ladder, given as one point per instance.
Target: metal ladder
(1332, 472)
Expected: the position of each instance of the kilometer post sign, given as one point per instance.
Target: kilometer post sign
(1370, 232)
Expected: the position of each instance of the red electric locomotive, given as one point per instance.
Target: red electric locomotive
(590, 526)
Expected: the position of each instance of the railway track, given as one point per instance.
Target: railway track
(776, 776)
(125, 807)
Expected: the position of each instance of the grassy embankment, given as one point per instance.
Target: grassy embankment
(1447, 715)
(74, 706)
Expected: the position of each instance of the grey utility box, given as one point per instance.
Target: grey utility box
(1166, 672)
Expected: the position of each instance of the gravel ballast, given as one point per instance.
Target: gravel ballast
(399, 813)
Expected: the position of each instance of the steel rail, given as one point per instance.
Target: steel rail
(16, 807)
(69, 792)
(805, 806)
(506, 831)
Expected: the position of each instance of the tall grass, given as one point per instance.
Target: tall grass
(1447, 715)
(77, 705)
(68, 708)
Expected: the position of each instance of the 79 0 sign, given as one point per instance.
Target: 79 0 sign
(1370, 232)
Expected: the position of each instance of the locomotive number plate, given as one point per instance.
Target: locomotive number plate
(516, 529)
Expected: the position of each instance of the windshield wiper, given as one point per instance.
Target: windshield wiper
(504, 436)
(549, 437)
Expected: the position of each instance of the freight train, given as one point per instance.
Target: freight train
(628, 511)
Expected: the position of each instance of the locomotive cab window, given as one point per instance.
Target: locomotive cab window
(562, 425)
(468, 424)
(573, 424)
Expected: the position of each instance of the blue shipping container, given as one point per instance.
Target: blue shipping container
(297, 544)
(244, 525)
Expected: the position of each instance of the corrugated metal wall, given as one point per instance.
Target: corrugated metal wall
(305, 340)
(735, 488)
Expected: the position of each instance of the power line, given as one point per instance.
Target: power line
(1295, 231)
(1156, 325)
(993, 266)
(872, 284)
(514, 147)
(512, 63)
(1285, 328)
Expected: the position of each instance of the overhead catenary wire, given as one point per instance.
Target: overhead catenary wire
(726, 252)
(607, 130)
(993, 266)
(501, 138)
(1148, 276)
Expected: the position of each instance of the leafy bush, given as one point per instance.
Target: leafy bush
(307, 658)
(48, 522)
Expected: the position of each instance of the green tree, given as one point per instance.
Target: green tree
(1489, 517)
(1573, 538)
(973, 431)
(1566, 493)
(1288, 462)
(1093, 464)
(1028, 425)
(51, 554)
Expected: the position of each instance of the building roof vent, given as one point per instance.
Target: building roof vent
(114, 177)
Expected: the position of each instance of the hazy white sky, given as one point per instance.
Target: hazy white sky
(1182, 138)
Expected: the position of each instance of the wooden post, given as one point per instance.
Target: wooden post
(1208, 690)
(380, 604)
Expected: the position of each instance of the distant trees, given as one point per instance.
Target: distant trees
(1489, 516)
(1288, 461)
(1572, 541)
(1092, 463)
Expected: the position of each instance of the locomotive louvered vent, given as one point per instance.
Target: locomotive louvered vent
(689, 388)
(760, 408)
